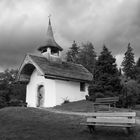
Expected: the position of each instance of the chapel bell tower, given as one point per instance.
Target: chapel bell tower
(51, 50)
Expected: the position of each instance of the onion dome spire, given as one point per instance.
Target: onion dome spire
(50, 41)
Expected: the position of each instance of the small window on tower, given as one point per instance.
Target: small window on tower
(82, 86)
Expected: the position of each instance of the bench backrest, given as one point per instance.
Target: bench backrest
(114, 117)
(112, 114)
(112, 120)
(107, 100)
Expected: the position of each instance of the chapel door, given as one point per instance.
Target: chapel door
(41, 94)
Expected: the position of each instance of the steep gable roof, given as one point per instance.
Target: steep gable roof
(63, 70)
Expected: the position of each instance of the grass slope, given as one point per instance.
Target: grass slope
(78, 106)
(18, 123)
(84, 106)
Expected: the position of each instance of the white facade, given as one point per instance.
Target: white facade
(55, 91)
(69, 90)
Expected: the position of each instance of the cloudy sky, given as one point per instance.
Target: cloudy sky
(23, 26)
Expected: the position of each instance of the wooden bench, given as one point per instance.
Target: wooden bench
(106, 101)
(117, 119)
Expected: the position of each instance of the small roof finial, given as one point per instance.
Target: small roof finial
(49, 19)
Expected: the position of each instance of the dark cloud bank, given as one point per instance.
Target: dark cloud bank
(24, 23)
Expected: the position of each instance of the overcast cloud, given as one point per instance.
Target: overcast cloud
(23, 25)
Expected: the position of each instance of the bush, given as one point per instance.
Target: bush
(4, 96)
(130, 94)
(90, 98)
(65, 100)
(99, 95)
(2, 102)
(16, 102)
(94, 96)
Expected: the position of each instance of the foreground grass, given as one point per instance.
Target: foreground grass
(36, 124)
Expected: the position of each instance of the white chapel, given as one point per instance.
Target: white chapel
(50, 80)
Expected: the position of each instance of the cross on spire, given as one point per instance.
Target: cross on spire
(49, 19)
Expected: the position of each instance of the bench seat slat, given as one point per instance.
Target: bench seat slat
(101, 102)
(112, 114)
(111, 120)
(106, 100)
(102, 124)
(111, 99)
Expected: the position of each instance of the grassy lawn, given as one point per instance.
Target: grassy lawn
(83, 106)
(17, 123)
(78, 106)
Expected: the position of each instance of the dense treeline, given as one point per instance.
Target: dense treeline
(11, 91)
(108, 80)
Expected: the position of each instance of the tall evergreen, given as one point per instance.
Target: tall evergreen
(138, 62)
(84, 55)
(106, 63)
(107, 82)
(72, 54)
(128, 63)
(87, 56)
(138, 70)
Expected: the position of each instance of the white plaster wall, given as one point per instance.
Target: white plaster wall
(69, 90)
(55, 91)
(31, 91)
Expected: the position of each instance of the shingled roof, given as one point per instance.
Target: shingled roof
(63, 70)
(50, 68)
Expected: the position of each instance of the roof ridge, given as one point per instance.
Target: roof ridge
(38, 55)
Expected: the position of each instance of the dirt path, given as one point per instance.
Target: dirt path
(81, 113)
(67, 112)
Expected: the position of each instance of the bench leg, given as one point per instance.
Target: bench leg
(128, 130)
(95, 108)
(109, 107)
(91, 128)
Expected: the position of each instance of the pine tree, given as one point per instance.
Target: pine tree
(72, 54)
(138, 70)
(84, 55)
(107, 82)
(138, 62)
(106, 62)
(128, 63)
(87, 56)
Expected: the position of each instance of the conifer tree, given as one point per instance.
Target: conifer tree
(138, 62)
(72, 54)
(107, 82)
(138, 70)
(84, 55)
(87, 56)
(128, 63)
